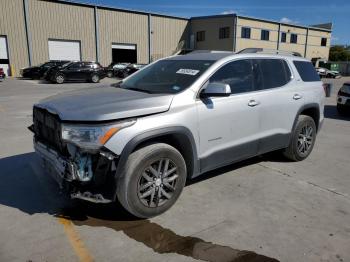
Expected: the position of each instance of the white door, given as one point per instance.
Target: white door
(64, 50)
(4, 59)
(228, 126)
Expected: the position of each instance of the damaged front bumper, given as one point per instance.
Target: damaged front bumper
(86, 176)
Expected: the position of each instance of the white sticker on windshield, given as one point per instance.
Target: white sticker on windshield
(187, 72)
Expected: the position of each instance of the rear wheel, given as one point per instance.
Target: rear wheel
(303, 139)
(95, 78)
(59, 79)
(152, 180)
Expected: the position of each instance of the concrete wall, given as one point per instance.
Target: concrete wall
(300, 45)
(167, 33)
(122, 28)
(12, 26)
(314, 48)
(48, 20)
(255, 34)
(211, 27)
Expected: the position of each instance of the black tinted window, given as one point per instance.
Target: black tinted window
(284, 37)
(265, 35)
(245, 32)
(238, 74)
(306, 71)
(294, 38)
(75, 66)
(270, 73)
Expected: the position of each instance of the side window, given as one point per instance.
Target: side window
(283, 37)
(75, 66)
(265, 35)
(245, 32)
(200, 36)
(294, 38)
(306, 71)
(238, 74)
(270, 73)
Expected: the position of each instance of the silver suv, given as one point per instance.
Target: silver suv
(177, 118)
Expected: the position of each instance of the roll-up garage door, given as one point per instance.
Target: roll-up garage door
(4, 58)
(64, 50)
(124, 53)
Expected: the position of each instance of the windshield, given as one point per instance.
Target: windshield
(167, 76)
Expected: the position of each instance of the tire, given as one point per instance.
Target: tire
(95, 78)
(109, 74)
(138, 187)
(302, 140)
(59, 78)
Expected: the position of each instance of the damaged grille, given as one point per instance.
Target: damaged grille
(47, 129)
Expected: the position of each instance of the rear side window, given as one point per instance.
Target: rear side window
(270, 73)
(306, 71)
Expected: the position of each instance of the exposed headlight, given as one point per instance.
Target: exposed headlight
(92, 137)
(345, 89)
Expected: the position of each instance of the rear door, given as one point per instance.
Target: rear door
(279, 98)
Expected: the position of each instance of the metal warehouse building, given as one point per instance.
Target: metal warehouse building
(35, 31)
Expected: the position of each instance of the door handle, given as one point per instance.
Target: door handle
(297, 97)
(253, 103)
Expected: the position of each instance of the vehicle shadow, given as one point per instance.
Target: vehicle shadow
(26, 187)
(330, 111)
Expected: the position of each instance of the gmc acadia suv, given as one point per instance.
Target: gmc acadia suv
(175, 119)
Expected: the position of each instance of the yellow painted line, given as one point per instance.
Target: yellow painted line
(75, 241)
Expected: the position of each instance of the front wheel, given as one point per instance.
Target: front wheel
(109, 74)
(95, 78)
(152, 180)
(59, 79)
(302, 140)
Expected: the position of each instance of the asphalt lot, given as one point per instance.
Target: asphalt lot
(277, 209)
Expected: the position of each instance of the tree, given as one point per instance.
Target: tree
(339, 53)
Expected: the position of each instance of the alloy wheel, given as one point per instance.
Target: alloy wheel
(157, 183)
(60, 79)
(305, 139)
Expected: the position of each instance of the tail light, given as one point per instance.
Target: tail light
(1, 70)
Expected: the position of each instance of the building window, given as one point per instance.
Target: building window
(265, 35)
(200, 36)
(283, 37)
(294, 38)
(245, 32)
(323, 41)
(224, 32)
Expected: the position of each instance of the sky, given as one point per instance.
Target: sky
(303, 12)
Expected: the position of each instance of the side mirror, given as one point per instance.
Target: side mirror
(216, 89)
(117, 84)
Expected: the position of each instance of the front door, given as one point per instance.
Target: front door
(229, 126)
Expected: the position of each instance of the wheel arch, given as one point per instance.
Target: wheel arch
(179, 137)
(312, 110)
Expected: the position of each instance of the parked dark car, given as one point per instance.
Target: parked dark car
(76, 71)
(129, 70)
(37, 72)
(2, 74)
(114, 68)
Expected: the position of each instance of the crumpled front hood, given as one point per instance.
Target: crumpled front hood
(105, 103)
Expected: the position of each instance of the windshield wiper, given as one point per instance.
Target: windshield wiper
(139, 90)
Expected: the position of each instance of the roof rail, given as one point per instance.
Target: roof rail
(267, 51)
